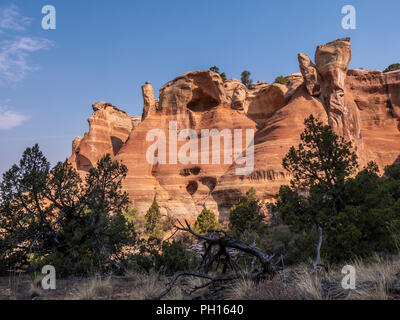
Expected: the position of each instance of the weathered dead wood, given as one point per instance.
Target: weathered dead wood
(220, 240)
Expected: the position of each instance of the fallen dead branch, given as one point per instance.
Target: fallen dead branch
(218, 246)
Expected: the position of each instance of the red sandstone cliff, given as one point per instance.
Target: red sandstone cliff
(362, 105)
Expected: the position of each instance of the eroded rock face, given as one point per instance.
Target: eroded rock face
(293, 81)
(237, 94)
(332, 60)
(310, 75)
(272, 141)
(266, 102)
(373, 94)
(109, 128)
(197, 101)
(361, 105)
(149, 103)
(197, 91)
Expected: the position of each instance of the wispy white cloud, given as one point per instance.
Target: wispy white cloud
(14, 54)
(15, 50)
(11, 19)
(10, 118)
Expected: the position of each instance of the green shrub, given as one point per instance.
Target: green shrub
(246, 215)
(216, 69)
(206, 221)
(138, 221)
(245, 78)
(280, 79)
(392, 67)
(153, 217)
(175, 257)
(164, 257)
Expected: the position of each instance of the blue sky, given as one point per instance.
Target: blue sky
(105, 50)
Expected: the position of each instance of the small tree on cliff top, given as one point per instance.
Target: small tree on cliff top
(216, 69)
(245, 78)
(280, 79)
(392, 67)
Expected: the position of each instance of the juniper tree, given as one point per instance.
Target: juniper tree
(245, 78)
(342, 214)
(319, 167)
(53, 216)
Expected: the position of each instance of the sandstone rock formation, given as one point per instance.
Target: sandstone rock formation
(361, 105)
(310, 75)
(149, 103)
(109, 128)
(237, 94)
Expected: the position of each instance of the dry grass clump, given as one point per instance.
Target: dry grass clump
(94, 289)
(35, 286)
(241, 290)
(309, 284)
(146, 286)
(378, 279)
(280, 287)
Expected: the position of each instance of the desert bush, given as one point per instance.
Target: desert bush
(154, 227)
(132, 215)
(222, 74)
(392, 67)
(175, 257)
(163, 257)
(280, 79)
(205, 222)
(246, 216)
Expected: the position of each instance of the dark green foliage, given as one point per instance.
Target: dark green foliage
(206, 222)
(392, 67)
(357, 215)
(175, 257)
(246, 215)
(322, 159)
(22, 218)
(52, 217)
(280, 79)
(216, 69)
(245, 78)
(153, 221)
(223, 76)
(165, 257)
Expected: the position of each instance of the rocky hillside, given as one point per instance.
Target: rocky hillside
(361, 105)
